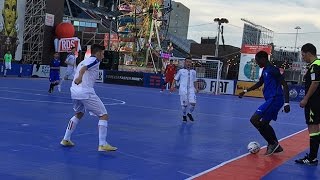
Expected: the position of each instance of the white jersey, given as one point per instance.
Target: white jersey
(186, 80)
(71, 58)
(85, 88)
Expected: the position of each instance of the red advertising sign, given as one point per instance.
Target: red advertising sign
(254, 49)
(65, 44)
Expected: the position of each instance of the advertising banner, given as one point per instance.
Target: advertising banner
(248, 69)
(42, 71)
(49, 20)
(241, 85)
(65, 44)
(24, 70)
(100, 77)
(12, 27)
(152, 80)
(296, 93)
(209, 86)
(123, 77)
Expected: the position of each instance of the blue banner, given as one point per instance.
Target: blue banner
(152, 80)
(17, 70)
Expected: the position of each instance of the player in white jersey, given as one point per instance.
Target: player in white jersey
(187, 89)
(71, 62)
(85, 99)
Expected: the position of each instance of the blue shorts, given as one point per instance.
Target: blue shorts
(269, 110)
(54, 76)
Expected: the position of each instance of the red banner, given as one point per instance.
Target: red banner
(254, 49)
(65, 44)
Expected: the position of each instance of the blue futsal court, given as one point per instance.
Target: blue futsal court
(144, 124)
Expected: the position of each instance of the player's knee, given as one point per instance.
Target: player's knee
(79, 115)
(193, 104)
(104, 117)
(255, 121)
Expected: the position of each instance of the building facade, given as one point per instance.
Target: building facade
(179, 20)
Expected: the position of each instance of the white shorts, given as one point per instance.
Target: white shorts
(93, 105)
(69, 74)
(188, 99)
(8, 65)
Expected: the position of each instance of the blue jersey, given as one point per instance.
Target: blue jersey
(55, 63)
(272, 78)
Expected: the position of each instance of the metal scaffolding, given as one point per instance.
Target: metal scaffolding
(254, 34)
(34, 31)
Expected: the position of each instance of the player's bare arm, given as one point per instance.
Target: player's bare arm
(312, 89)
(196, 86)
(173, 87)
(78, 80)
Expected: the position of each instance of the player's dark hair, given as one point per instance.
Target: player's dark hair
(309, 48)
(262, 55)
(96, 48)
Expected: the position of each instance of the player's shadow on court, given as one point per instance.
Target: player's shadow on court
(186, 128)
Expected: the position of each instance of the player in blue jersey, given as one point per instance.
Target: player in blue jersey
(276, 94)
(54, 72)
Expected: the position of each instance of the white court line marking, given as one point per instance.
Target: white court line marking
(239, 157)
(57, 102)
(184, 173)
(174, 110)
(137, 157)
(122, 103)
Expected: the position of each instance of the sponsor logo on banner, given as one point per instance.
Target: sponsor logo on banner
(249, 69)
(123, 77)
(242, 85)
(65, 44)
(296, 92)
(152, 80)
(209, 86)
(100, 77)
(42, 71)
(120, 77)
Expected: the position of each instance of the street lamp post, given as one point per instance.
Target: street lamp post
(295, 44)
(220, 21)
(111, 19)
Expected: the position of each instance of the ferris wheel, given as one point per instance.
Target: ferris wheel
(140, 29)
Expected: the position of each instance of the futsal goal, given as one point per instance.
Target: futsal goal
(205, 68)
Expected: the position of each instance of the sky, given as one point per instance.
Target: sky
(281, 16)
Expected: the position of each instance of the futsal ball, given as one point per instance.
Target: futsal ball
(253, 147)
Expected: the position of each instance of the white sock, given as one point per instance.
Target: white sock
(71, 127)
(61, 81)
(5, 72)
(103, 129)
(184, 110)
(191, 109)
